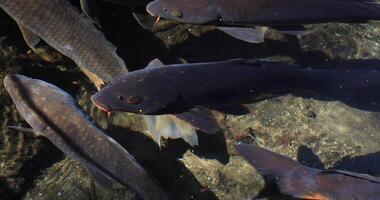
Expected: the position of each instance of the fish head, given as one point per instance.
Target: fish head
(136, 92)
(33, 97)
(12, 85)
(187, 11)
(23, 88)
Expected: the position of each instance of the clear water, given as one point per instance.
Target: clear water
(320, 134)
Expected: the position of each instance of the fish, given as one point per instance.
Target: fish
(178, 88)
(53, 114)
(181, 125)
(69, 31)
(237, 17)
(299, 181)
(129, 3)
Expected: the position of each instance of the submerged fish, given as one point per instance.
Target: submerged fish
(66, 29)
(129, 3)
(235, 16)
(217, 85)
(182, 125)
(302, 182)
(52, 113)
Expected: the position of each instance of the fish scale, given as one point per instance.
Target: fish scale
(63, 27)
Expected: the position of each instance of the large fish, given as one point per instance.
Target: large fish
(66, 29)
(234, 16)
(128, 3)
(183, 125)
(52, 113)
(302, 182)
(217, 85)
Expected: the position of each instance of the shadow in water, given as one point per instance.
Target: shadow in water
(207, 48)
(212, 147)
(47, 156)
(134, 44)
(307, 157)
(368, 164)
(162, 164)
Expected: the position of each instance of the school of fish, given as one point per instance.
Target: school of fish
(165, 95)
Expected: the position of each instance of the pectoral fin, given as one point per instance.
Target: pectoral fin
(155, 63)
(89, 8)
(168, 126)
(200, 118)
(250, 35)
(30, 38)
(93, 77)
(25, 130)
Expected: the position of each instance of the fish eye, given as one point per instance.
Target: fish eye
(120, 97)
(133, 99)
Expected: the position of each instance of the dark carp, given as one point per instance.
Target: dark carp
(234, 16)
(52, 113)
(66, 29)
(302, 182)
(181, 125)
(179, 88)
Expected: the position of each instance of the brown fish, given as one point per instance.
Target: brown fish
(52, 113)
(66, 29)
(302, 182)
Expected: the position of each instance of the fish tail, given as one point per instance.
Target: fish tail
(291, 177)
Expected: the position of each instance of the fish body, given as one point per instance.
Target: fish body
(265, 12)
(178, 88)
(52, 113)
(302, 182)
(66, 29)
(234, 16)
(129, 3)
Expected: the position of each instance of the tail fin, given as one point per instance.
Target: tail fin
(201, 119)
(291, 177)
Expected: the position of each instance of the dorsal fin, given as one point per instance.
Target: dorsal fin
(155, 63)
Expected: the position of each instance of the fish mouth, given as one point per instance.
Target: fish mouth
(101, 106)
